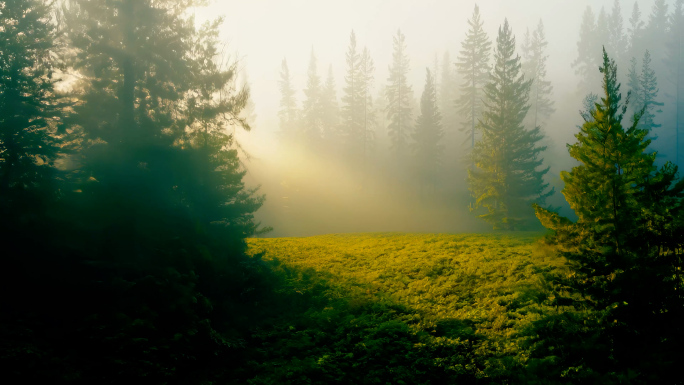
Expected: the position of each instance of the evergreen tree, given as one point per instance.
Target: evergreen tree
(636, 101)
(635, 32)
(448, 89)
(427, 136)
(623, 258)
(616, 38)
(541, 106)
(399, 99)
(655, 34)
(587, 53)
(312, 112)
(473, 66)
(649, 94)
(366, 72)
(330, 110)
(675, 65)
(353, 103)
(506, 180)
(288, 105)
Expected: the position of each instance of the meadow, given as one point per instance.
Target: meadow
(415, 308)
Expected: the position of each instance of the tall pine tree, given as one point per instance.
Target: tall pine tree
(541, 105)
(506, 180)
(427, 136)
(399, 96)
(473, 66)
(312, 111)
(288, 105)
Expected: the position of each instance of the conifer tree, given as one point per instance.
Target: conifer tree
(353, 103)
(399, 96)
(427, 147)
(312, 112)
(367, 75)
(506, 180)
(636, 102)
(288, 105)
(675, 65)
(448, 89)
(329, 109)
(635, 32)
(473, 67)
(616, 38)
(587, 53)
(649, 95)
(655, 34)
(620, 249)
(29, 111)
(541, 105)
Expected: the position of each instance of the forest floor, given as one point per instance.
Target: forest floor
(465, 304)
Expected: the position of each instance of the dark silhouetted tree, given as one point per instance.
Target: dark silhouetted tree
(288, 105)
(427, 146)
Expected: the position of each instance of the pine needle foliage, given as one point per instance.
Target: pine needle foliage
(507, 178)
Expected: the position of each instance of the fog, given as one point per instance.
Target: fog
(313, 192)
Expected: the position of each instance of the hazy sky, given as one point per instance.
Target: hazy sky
(263, 32)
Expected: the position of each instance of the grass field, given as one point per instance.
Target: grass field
(386, 304)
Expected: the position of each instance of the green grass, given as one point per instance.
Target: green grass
(417, 308)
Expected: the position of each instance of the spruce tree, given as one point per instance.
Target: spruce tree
(587, 53)
(448, 89)
(312, 112)
(367, 75)
(427, 146)
(353, 103)
(506, 180)
(473, 67)
(674, 62)
(649, 95)
(616, 39)
(29, 110)
(623, 258)
(399, 96)
(635, 32)
(330, 112)
(288, 105)
(541, 105)
(636, 100)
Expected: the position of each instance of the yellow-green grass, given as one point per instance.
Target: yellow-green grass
(497, 281)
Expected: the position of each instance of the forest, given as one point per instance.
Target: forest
(397, 193)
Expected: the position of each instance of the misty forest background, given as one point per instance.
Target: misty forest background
(140, 223)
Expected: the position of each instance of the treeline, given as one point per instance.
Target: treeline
(425, 146)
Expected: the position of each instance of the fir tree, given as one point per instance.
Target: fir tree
(675, 65)
(427, 136)
(636, 101)
(506, 180)
(649, 94)
(616, 38)
(399, 99)
(448, 89)
(541, 106)
(29, 111)
(312, 112)
(587, 53)
(330, 110)
(623, 259)
(366, 72)
(288, 105)
(473, 66)
(635, 32)
(353, 103)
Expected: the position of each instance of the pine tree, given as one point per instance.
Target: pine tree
(353, 103)
(288, 105)
(616, 39)
(541, 106)
(427, 147)
(29, 110)
(312, 112)
(399, 99)
(587, 53)
(448, 89)
(649, 94)
(506, 180)
(366, 72)
(675, 65)
(623, 259)
(635, 32)
(330, 110)
(655, 34)
(473, 66)
(636, 101)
